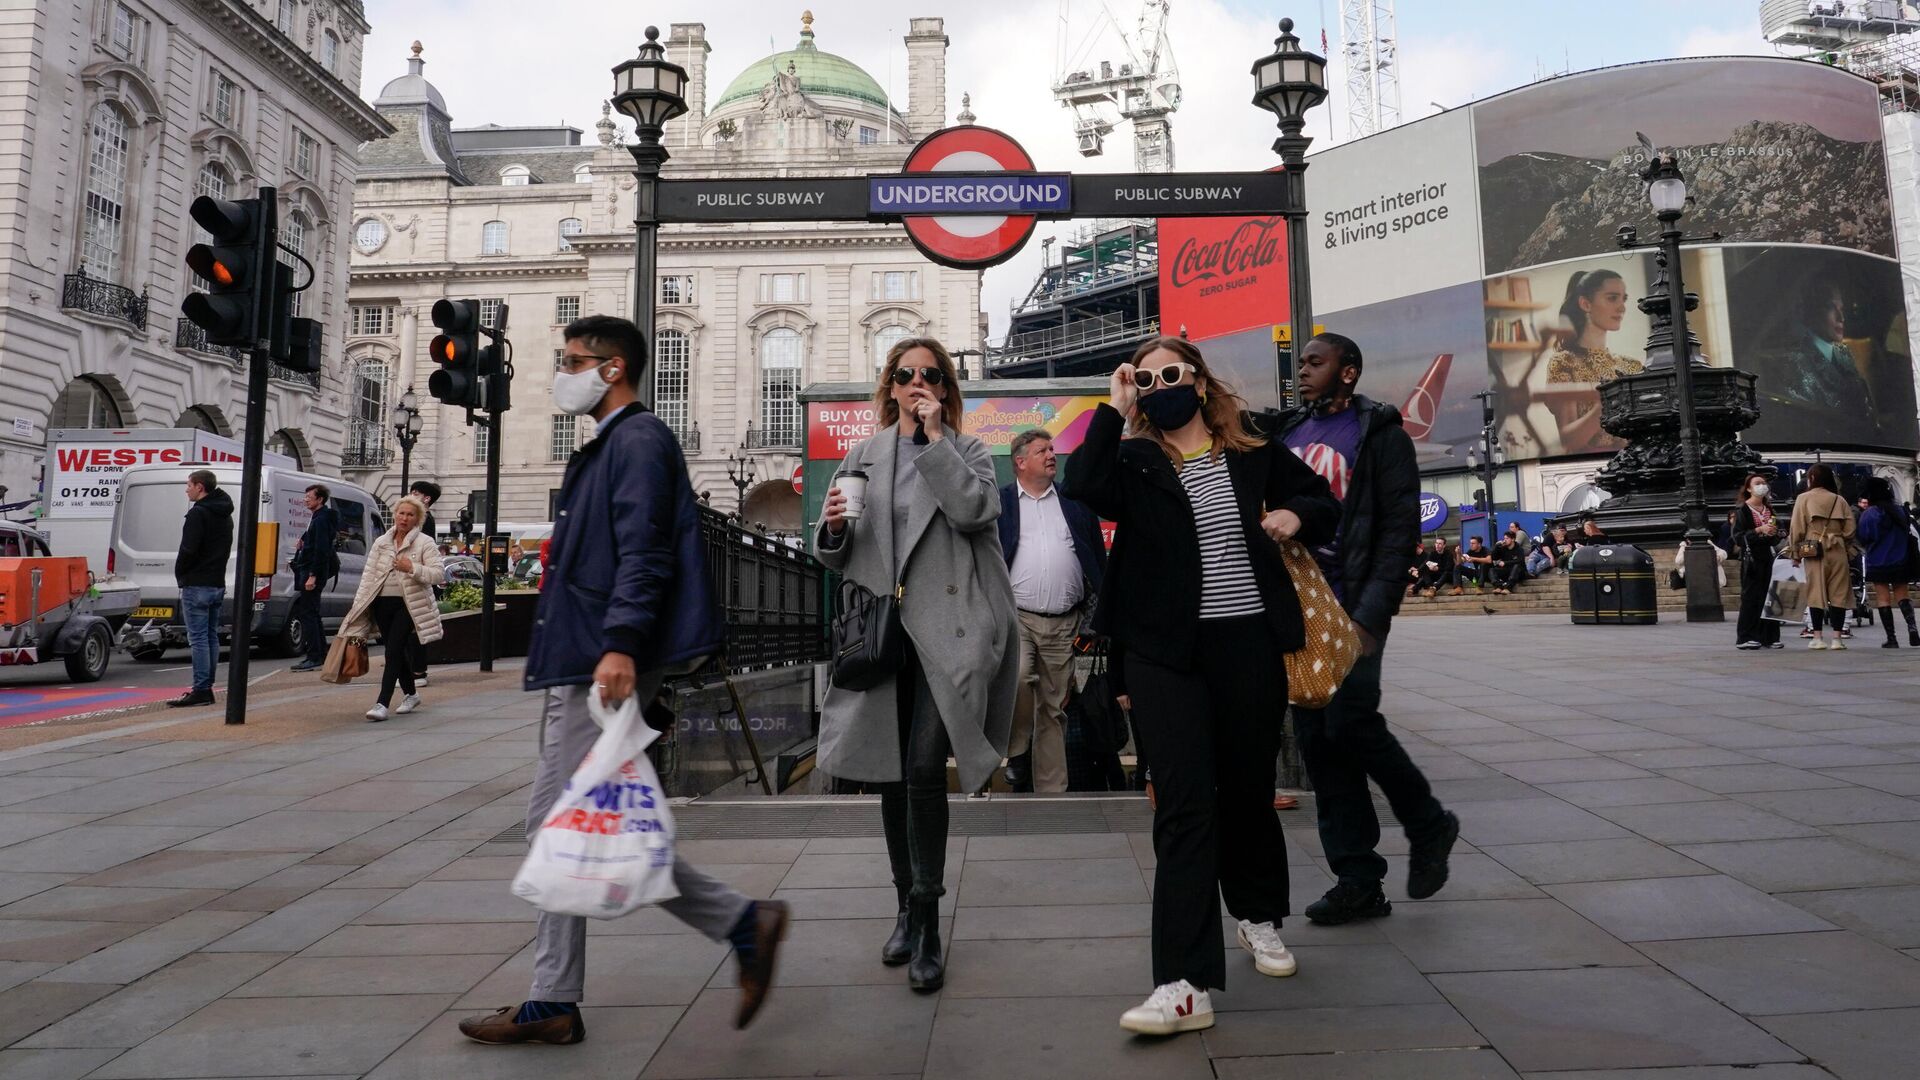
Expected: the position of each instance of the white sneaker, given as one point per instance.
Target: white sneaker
(1816, 643)
(1748, 645)
(420, 681)
(1837, 645)
(377, 713)
(1270, 957)
(407, 704)
(1169, 1010)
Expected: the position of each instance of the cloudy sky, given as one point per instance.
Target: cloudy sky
(510, 62)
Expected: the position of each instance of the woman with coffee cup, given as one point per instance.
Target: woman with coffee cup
(913, 510)
(1198, 596)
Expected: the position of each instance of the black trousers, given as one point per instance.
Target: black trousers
(419, 657)
(1756, 577)
(1471, 573)
(1342, 746)
(1210, 734)
(396, 633)
(913, 811)
(306, 609)
(1510, 575)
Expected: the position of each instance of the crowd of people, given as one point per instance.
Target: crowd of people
(1514, 559)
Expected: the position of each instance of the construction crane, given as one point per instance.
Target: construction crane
(1371, 45)
(1143, 87)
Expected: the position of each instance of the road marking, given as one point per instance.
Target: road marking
(263, 678)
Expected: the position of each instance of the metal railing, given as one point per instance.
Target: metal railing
(782, 437)
(367, 447)
(96, 296)
(296, 378)
(1073, 338)
(689, 437)
(188, 334)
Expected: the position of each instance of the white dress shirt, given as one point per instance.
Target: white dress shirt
(1046, 574)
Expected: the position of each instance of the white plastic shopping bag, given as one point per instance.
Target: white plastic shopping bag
(1786, 594)
(606, 847)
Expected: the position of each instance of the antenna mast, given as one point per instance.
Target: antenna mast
(1370, 42)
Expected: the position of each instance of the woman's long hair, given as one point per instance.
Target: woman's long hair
(1584, 285)
(1821, 476)
(951, 410)
(1222, 410)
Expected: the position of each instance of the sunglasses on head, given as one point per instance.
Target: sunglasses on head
(933, 375)
(1168, 375)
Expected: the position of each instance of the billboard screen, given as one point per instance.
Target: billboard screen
(1423, 354)
(1222, 275)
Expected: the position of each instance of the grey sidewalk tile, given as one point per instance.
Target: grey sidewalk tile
(398, 796)
(1900, 838)
(1868, 1045)
(484, 867)
(27, 1008)
(347, 976)
(740, 850)
(1731, 779)
(1329, 977)
(1071, 881)
(19, 789)
(1334, 1030)
(1528, 821)
(281, 888)
(1500, 935)
(1570, 770)
(1049, 921)
(435, 939)
(1381, 1065)
(52, 1064)
(1605, 1018)
(1683, 907)
(624, 969)
(870, 845)
(87, 849)
(137, 1013)
(1485, 789)
(1650, 790)
(151, 950)
(16, 826)
(1835, 806)
(1889, 915)
(18, 885)
(292, 830)
(1056, 846)
(1681, 757)
(451, 901)
(861, 903)
(1777, 1071)
(215, 811)
(619, 1041)
(842, 872)
(196, 869)
(1837, 755)
(801, 1031)
(109, 797)
(376, 843)
(279, 1036)
(109, 903)
(15, 972)
(58, 941)
(1794, 973)
(1502, 753)
(1704, 822)
(1805, 864)
(1045, 968)
(1756, 737)
(303, 922)
(1472, 876)
(1633, 740)
(1076, 1039)
(407, 865)
(1893, 779)
(207, 774)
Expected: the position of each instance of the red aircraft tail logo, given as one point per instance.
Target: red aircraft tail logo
(1423, 405)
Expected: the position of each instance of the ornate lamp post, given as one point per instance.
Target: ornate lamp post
(742, 471)
(406, 430)
(1288, 82)
(650, 91)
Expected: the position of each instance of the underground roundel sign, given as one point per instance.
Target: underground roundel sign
(968, 242)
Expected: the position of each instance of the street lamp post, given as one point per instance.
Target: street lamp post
(1486, 460)
(741, 472)
(650, 91)
(406, 430)
(1288, 82)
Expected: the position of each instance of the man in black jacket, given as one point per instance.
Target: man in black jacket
(200, 569)
(314, 566)
(1361, 448)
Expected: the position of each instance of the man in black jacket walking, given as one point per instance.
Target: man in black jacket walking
(200, 569)
(1363, 451)
(314, 566)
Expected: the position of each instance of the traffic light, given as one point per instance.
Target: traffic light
(499, 380)
(295, 342)
(1480, 500)
(238, 302)
(457, 351)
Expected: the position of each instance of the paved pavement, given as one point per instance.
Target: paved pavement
(1680, 862)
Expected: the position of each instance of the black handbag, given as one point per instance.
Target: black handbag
(869, 644)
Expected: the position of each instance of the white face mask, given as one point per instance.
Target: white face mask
(1760, 491)
(578, 392)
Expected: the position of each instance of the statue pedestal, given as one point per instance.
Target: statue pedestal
(1646, 478)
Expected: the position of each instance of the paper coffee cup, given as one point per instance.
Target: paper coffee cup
(853, 484)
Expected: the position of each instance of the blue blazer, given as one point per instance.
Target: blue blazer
(1082, 523)
(627, 572)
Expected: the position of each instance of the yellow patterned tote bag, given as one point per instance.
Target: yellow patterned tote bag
(1316, 670)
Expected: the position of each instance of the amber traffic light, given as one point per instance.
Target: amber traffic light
(238, 301)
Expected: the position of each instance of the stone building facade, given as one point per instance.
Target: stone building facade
(541, 221)
(114, 116)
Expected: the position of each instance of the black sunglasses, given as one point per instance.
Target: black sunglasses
(933, 375)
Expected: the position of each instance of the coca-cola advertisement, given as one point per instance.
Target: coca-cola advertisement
(1222, 275)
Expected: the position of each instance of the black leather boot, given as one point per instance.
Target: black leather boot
(928, 970)
(899, 947)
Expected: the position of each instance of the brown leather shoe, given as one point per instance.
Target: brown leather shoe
(770, 926)
(498, 1027)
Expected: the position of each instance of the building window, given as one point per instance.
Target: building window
(493, 238)
(85, 403)
(367, 429)
(565, 309)
(780, 367)
(670, 362)
(884, 340)
(214, 180)
(125, 34)
(306, 154)
(583, 173)
(480, 442)
(106, 193)
(515, 176)
(284, 20)
(293, 237)
(226, 100)
(564, 438)
(895, 285)
(490, 312)
(676, 289)
(783, 288)
(369, 235)
(330, 52)
(572, 226)
(869, 136)
(370, 319)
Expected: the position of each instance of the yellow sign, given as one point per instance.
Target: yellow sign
(1283, 334)
(266, 548)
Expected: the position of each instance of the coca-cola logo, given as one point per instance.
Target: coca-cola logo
(1253, 245)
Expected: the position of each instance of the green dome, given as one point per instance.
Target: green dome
(822, 74)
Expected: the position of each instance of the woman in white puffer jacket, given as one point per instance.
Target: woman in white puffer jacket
(396, 598)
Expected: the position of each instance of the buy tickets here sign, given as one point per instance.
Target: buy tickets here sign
(836, 427)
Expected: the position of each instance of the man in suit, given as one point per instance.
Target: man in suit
(1055, 556)
(314, 566)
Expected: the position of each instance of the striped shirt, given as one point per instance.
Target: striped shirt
(1227, 586)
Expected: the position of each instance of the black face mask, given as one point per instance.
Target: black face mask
(1172, 407)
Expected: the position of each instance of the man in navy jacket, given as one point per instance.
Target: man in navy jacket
(627, 600)
(1056, 558)
(314, 566)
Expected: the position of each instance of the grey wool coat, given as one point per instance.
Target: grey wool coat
(956, 606)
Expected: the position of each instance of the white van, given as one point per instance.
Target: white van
(147, 523)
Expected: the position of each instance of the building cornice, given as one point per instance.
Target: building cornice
(251, 31)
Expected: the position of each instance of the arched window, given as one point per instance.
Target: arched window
(197, 418)
(369, 235)
(284, 20)
(106, 193)
(781, 362)
(493, 238)
(330, 52)
(515, 176)
(85, 403)
(283, 443)
(572, 226)
(294, 236)
(583, 173)
(367, 426)
(884, 340)
(670, 362)
(214, 180)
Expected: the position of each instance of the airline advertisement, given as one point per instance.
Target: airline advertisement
(1424, 354)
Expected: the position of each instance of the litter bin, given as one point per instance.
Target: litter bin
(1612, 584)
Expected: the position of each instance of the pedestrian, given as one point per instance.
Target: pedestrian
(1476, 566)
(1822, 522)
(1055, 557)
(428, 493)
(926, 533)
(1509, 562)
(200, 569)
(1756, 536)
(395, 599)
(314, 566)
(1346, 744)
(1199, 597)
(1886, 533)
(630, 600)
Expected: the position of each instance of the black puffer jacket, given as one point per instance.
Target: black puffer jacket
(1379, 518)
(205, 542)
